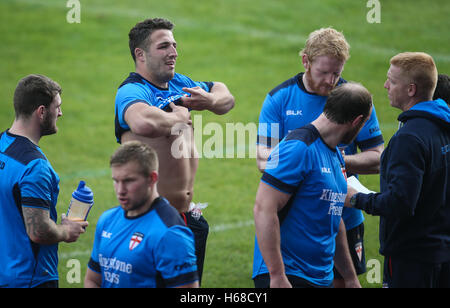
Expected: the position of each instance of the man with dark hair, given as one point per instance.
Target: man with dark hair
(139, 36)
(146, 235)
(414, 198)
(152, 105)
(301, 195)
(443, 88)
(29, 190)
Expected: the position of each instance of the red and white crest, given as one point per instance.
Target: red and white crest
(358, 250)
(135, 240)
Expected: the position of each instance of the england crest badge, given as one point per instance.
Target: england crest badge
(359, 250)
(135, 240)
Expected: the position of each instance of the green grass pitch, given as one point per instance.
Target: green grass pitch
(251, 45)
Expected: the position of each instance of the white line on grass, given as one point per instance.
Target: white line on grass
(212, 229)
(231, 226)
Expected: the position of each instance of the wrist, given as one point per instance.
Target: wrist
(354, 201)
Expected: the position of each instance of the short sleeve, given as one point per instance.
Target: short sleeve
(94, 262)
(287, 166)
(269, 127)
(36, 187)
(128, 95)
(175, 257)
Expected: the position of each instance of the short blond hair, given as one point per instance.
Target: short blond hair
(418, 68)
(139, 152)
(326, 42)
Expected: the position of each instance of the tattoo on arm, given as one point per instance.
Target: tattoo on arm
(40, 228)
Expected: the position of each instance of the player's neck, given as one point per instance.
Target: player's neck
(28, 130)
(330, 132)
(144, 73)
(144, 208)
(306, 84)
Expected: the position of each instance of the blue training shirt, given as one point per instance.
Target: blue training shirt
(26, 180)
(304, 166)
(290, 106)
(154, 249)
(136, 89)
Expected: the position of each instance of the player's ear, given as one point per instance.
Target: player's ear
(153, 177)
(412, 89)
(139, 53)
(40, 111)
(357, 121)
(305, 61)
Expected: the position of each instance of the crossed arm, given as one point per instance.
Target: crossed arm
(153, 122)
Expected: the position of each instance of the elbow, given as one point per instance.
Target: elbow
(256, 210)
(261, 164)
(140, 129)
(231, 102)
(226, 107)
(38, 238)
(144, 129)
(376, 168)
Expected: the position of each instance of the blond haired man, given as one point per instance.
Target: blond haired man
(414, 199)
(143, 243)
(300, 199)
(299, 101)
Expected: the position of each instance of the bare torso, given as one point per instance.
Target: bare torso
(176, 172)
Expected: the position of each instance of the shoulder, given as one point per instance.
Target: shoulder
(21, 149)
(133, 78)
(307, 135)
(291, 82)
(167, 213)
(31, 163)
(110, 214)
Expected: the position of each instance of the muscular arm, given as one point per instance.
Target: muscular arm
(219, 100)
(42, 230)
(92, 279)
(268, 202)
(152, 122)
(262, 154)
(223, 99)
(365, 162)
(343, 260)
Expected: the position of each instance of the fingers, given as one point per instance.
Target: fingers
(83, 224)
(194, 90)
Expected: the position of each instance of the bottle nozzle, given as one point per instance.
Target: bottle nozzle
(81, 185)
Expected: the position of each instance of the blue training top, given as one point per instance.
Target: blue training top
(26, 180)
(304, 166)
(136, 89)
(154, 249)
(290, 106)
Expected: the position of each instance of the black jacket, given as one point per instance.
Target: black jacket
(414, 199)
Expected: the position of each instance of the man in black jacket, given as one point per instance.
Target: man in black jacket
(414, 202)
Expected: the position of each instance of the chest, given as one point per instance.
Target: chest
(300, 109)
(125, 252)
